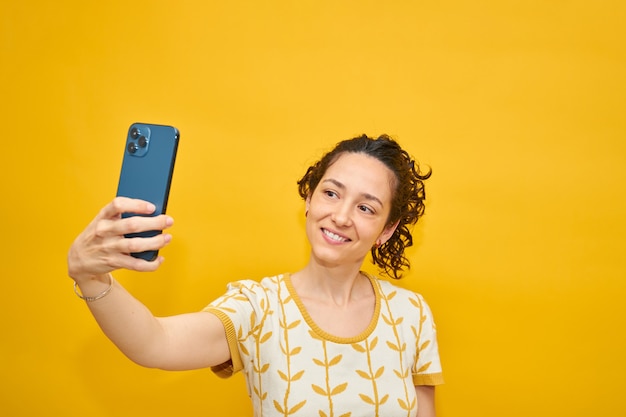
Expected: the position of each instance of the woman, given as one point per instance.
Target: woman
(328, 340)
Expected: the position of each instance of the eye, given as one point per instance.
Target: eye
(330, 193)
(366, 209)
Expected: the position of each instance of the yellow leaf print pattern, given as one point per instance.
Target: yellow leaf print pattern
(222, 304)
(327, 391)
(371, 375)
(292, 368)
(259, 338)
(417, 333)
(405, 403)
(288, 376)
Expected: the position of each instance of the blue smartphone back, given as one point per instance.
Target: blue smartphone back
(147, 169)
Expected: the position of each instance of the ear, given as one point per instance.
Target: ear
(387, 232)
(307, 203)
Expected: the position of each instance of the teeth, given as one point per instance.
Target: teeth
(334, 236)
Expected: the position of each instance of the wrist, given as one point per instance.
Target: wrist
(88, 279)
(95, 288)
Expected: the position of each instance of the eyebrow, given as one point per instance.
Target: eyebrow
(368, 196)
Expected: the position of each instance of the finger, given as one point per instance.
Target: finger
(142, 244)
(141, 265)
(137, 224)
(121, 205)
(148, 266)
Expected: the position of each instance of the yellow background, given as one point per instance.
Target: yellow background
(518, 106)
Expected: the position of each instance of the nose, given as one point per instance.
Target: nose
(342, 215)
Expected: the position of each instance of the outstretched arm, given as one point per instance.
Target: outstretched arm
(187, 341)
(425, 400)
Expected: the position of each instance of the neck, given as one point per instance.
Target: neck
(340, 285)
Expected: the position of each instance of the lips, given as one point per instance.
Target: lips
(335, 237)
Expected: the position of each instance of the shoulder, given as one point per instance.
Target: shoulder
(400, 300)
(251, 291)
(267, 284)
(246, 299)
(390, 290)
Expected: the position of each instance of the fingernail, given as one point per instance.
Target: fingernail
(169, 221)
(151, 207)
(167, 238)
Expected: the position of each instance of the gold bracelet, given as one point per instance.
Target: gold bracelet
(96, 297)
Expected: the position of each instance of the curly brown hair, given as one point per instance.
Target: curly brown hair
(407, 203)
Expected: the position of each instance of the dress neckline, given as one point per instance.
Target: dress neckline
(328, 336)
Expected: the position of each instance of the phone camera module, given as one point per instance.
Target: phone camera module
(138, 140)
(132, 147)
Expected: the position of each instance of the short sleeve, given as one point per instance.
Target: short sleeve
(237, 310)
(427, 369)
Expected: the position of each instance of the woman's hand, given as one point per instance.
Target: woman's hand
(102, 247)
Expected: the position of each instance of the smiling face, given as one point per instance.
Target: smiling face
(349, 209)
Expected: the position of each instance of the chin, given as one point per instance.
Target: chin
(330, 260)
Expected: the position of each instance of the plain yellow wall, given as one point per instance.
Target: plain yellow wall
(518, 106)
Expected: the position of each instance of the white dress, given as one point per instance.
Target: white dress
(294, 368)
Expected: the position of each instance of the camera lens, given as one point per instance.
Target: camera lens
(142, 141)
(132, 147)
(134, 133)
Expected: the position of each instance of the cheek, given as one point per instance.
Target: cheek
(316, 205)
(313, 214)
(310, 229)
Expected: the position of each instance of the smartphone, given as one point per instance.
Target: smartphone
(147, 169)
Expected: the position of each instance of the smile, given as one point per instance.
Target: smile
(335, 237)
